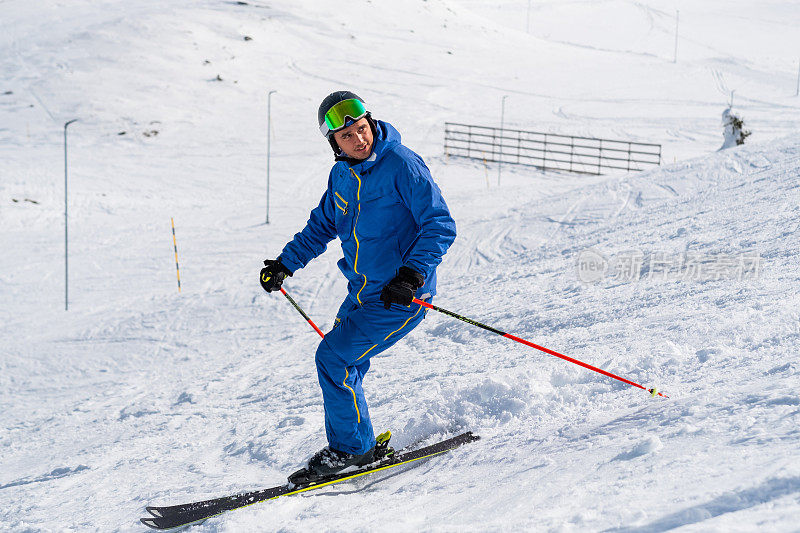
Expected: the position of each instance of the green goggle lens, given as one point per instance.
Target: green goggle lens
(336, 117)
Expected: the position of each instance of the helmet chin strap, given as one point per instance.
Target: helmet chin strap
(335, 146)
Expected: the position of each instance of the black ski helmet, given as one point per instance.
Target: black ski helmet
(330, 101)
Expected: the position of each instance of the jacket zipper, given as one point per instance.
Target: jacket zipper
(355, 223)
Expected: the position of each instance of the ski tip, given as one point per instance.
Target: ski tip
(153, 511)
(149, 522)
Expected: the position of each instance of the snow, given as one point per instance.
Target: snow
(140, 395)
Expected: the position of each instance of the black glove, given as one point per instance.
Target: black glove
(273, 274)
(402, 288)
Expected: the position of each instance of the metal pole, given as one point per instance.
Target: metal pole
(677, 16)
(66, 235)
(797, 91)
(500, 147)
(269, 127)
(528, 19)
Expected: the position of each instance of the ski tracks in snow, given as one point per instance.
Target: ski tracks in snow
(483, 242)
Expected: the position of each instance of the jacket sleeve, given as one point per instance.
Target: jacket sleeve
(314, 238)
(437, 228)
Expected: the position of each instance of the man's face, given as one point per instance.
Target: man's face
(355, 140)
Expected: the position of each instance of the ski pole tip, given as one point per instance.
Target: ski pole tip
(654, 392)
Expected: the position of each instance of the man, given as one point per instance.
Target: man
(394, 228)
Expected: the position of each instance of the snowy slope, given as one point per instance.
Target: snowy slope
(140, 395)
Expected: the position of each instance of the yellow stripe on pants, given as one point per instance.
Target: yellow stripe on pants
(344, 382)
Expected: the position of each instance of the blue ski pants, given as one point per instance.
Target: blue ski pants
(343, 359)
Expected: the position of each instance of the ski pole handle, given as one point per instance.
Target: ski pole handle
(653, 392)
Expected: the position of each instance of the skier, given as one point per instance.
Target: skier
(394, 228)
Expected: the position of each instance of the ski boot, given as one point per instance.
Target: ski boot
(328, 462)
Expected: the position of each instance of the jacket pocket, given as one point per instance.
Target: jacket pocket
(340, 202)
(344, 216)
(378, 217)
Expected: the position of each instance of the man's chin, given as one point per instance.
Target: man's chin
(362, 155)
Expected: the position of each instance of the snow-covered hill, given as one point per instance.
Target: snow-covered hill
(139, 394)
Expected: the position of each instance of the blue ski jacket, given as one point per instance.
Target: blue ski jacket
(387, 212)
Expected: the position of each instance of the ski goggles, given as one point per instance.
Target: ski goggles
(343, 114)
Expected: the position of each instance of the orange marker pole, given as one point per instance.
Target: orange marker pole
(175, 245)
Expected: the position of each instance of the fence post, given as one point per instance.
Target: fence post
(544, 154)
(629, 157)
(519, 144)
(495, 147)
(600, 159)
(502, 126)
(571, 151)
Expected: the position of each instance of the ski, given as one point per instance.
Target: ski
(174, 516)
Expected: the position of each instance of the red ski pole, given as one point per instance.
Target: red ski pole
(653, 392)
(291, 301)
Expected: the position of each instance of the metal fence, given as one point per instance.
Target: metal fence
(548, 151)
